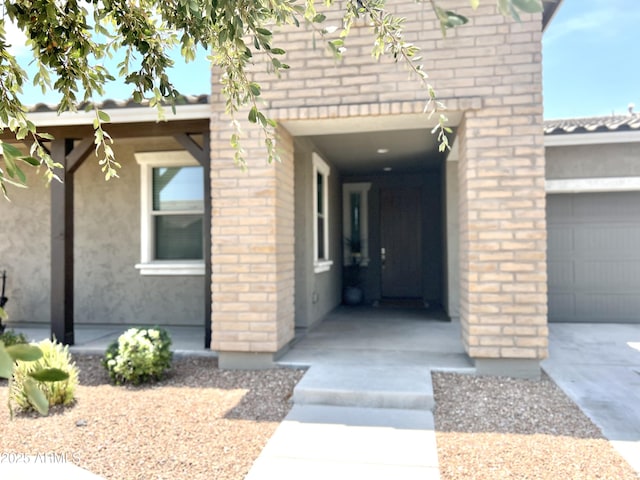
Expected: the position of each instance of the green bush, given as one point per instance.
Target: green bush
(54, 356)
(140, 355)
(9, 337)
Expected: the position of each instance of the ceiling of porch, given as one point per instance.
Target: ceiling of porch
(373, 152)
(370, 145)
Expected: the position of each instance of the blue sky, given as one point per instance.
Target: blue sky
(589, 59)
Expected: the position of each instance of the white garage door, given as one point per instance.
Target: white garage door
(594, 257)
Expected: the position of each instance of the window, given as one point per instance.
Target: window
(354, 223)
(322, 260)
(171, 214)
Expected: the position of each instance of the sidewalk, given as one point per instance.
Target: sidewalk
(355, 422)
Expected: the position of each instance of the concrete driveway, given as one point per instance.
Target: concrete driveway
(598, 367)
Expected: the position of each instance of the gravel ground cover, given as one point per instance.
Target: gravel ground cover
(500, 428)
(205, 423)
(198, 423)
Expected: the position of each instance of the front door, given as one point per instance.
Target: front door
(400, 252)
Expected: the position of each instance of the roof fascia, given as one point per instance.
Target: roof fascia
(597, 138)
(121, 115)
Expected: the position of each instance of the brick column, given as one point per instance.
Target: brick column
(252, 253)
(503, 238)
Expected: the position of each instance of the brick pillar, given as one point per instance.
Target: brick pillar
(252, 257)
(503, 236)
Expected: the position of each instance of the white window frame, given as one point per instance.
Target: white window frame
(148, 266)
(320, 167)
(363, 189)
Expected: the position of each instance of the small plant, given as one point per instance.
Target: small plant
(9, 337)
(54, 356)
(140, 355)
(9, 356)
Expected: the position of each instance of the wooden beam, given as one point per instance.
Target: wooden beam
(193, 148)
(203, 155)
(206, 227)
(62, 307)
(79, 154)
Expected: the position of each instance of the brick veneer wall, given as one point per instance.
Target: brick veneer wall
(490, 70)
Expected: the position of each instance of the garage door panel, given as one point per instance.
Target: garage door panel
(558, 210)
(562, 305)
(607, 241)
(594, 257)
(607, 307)
(613, 276)
(606, 206)
(560, 274)
(560, 241)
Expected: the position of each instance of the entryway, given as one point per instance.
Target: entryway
(381, 336)
(401, 243)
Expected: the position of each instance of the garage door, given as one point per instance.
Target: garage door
(594, 257)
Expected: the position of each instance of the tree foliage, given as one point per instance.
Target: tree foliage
(69, 40)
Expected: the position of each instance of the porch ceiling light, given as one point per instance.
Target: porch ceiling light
(387, 169)
(382, 151)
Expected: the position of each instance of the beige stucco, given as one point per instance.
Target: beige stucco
(316, 294)
(593, 161)
(108, 289)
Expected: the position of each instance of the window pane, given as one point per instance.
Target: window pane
(320, 221)
(178, 237)
(319, 184)
(356, 246)
(178, 188)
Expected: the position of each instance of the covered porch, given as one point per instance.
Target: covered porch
(365, 336)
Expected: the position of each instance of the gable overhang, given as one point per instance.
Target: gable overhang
(550, 7)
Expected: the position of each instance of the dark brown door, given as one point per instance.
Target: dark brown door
(400, 225)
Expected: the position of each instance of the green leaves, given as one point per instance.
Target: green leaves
(6, 363)
(449, 19)
(511, 7)
(68, 41)
(49, 375)
(24, 352)
(36, 396)
(528, 6)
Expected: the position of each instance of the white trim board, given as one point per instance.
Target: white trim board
(593, 138)
(198, 111)
(587, 185)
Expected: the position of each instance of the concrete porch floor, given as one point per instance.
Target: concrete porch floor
(371, 336)
(95, 338)
(381, 336)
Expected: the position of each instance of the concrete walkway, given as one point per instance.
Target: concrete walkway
(364, 407)
(598, 367)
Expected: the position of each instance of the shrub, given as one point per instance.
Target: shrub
(54, 356)
(9, 337)
(140, 355)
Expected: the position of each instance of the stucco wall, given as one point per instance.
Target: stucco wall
(108, 289)
(316, 294)
(593, 161)
(25, 252)
(452, 242)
